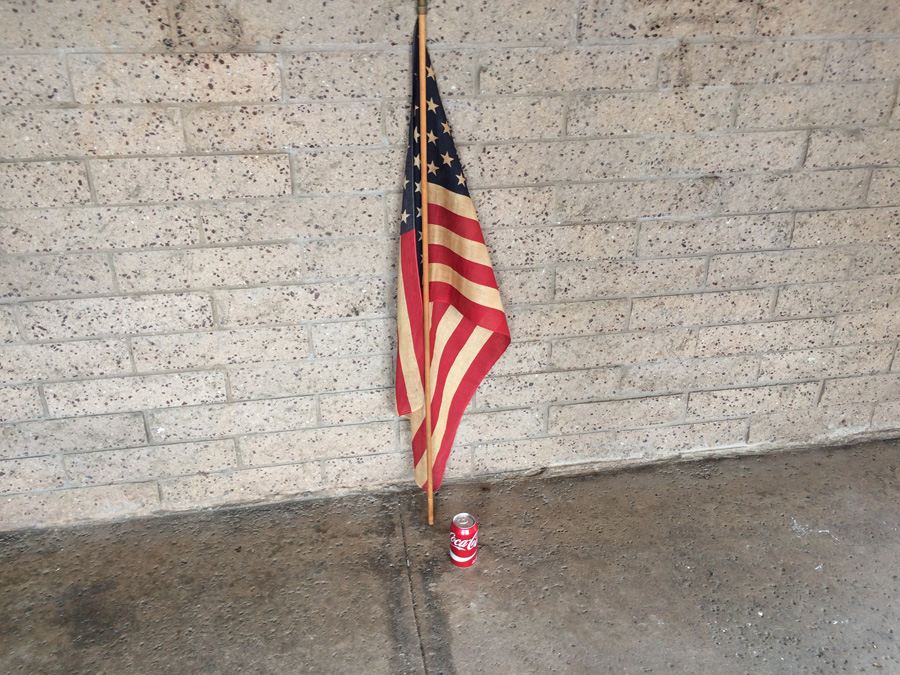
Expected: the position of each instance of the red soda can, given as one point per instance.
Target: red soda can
(463, 540)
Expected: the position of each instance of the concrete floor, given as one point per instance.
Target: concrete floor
(786, 563)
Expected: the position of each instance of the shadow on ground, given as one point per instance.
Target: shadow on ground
(785, 563)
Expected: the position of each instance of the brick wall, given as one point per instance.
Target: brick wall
(693, 206)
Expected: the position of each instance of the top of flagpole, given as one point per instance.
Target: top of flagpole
(422, 6)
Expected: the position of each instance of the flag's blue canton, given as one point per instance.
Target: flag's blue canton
(444, 168)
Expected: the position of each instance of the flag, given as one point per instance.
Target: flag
(468, 325)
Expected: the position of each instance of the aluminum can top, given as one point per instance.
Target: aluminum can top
(464, 520)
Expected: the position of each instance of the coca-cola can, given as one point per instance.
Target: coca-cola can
(463, 540)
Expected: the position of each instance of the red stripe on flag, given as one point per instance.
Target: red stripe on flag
(487, 357)
(492, 319)
(481, 274)
(464, 227)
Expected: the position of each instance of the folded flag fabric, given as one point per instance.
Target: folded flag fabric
(468, 324)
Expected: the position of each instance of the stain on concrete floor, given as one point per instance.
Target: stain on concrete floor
(784, 563)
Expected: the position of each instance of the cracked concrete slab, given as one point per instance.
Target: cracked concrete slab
(777, 563)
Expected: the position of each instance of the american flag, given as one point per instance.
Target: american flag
(468, 324)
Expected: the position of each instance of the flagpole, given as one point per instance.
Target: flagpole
(422, 6)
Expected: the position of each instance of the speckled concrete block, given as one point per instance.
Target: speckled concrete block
(492, 21)
(700, 308)
(712, 235)
(525, 286)
(802, 191)
(154, 462)
(347, 74)
(857, 147)
(662, 442)
(830, 422)
(271, 127)
(309, 377)
(43, 184)
(638, 199)
(175, 78)
(301, 218)
(524, 247)
(621, 348)
(886, 415)
(569, 318)
(837, 297)
(617, 278)
(513, 207)
(327, 300)
(9, 332)
(743, 63)
(557, 70)
(357, 406)
(75, 434)
(131, 181)
(636, 412)
(883, 190)
(809, 17)
(33, 80)
(345, 338)
(765, 336)
(231, 487)
(814, 105)
(62, 507)
(862, 389)
(83, 24)
(818, 363)
(523, 357)
(123, 394)
(545, 452)
(676, 375)
(20, 403)
(63, 361)
(500, 425)
(31, 473)
(47, 276)
(567, 387)
(683, 110)
(30, 134)
(863, 60)
(230, 419)
(841, 228)
(602, 19)
(335, 171)
(218, 348)
(876, 326)
(754, 401)
(747, 270)
(287, 447)
(252, 265)
(90, 228)
(64, 319)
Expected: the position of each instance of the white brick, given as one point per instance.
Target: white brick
(624, 414)
(134, 393)
(230, 419)
(161, 461)
(308, 444)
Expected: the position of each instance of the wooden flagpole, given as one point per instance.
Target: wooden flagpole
(422, 6)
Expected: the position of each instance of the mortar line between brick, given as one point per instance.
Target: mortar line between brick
(42, 397)
(402, 48)
(867, 184)
(409, 581)
(67, 68)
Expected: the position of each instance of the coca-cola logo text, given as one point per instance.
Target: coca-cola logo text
(464, 544)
